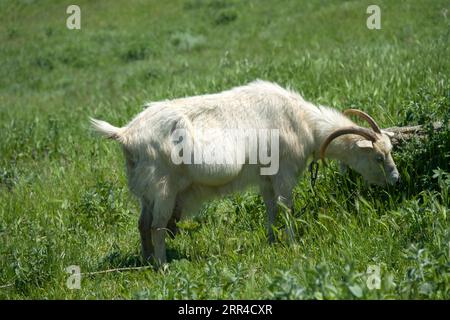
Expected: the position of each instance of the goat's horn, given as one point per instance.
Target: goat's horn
(364, 116)
(366, 133)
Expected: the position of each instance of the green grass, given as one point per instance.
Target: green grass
(63, 194)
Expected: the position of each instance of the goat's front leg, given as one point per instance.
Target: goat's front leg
(283, 187)
(286, 202)
(271, 207)
(145, 223)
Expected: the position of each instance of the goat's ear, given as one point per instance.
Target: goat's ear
(388, 133)
(364, 144)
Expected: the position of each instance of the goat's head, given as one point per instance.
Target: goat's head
(369, 155)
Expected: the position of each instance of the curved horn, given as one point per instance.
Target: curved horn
(364, 116)
(366, 133)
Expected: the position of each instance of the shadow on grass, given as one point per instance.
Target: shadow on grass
(173, 255)
(119, 259)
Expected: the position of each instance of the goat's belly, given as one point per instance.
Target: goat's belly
(214, 175)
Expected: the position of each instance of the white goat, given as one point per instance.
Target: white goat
(168, 191)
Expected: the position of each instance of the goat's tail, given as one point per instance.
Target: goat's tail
(106, 129)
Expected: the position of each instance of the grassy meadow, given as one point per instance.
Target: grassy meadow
(63, 193)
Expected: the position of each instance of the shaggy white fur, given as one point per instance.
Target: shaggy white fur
(169, 191)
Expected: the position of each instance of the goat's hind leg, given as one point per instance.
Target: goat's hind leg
(145, 224)
(176, 216)
(162, 213)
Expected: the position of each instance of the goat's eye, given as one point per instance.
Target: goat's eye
(379, 159)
